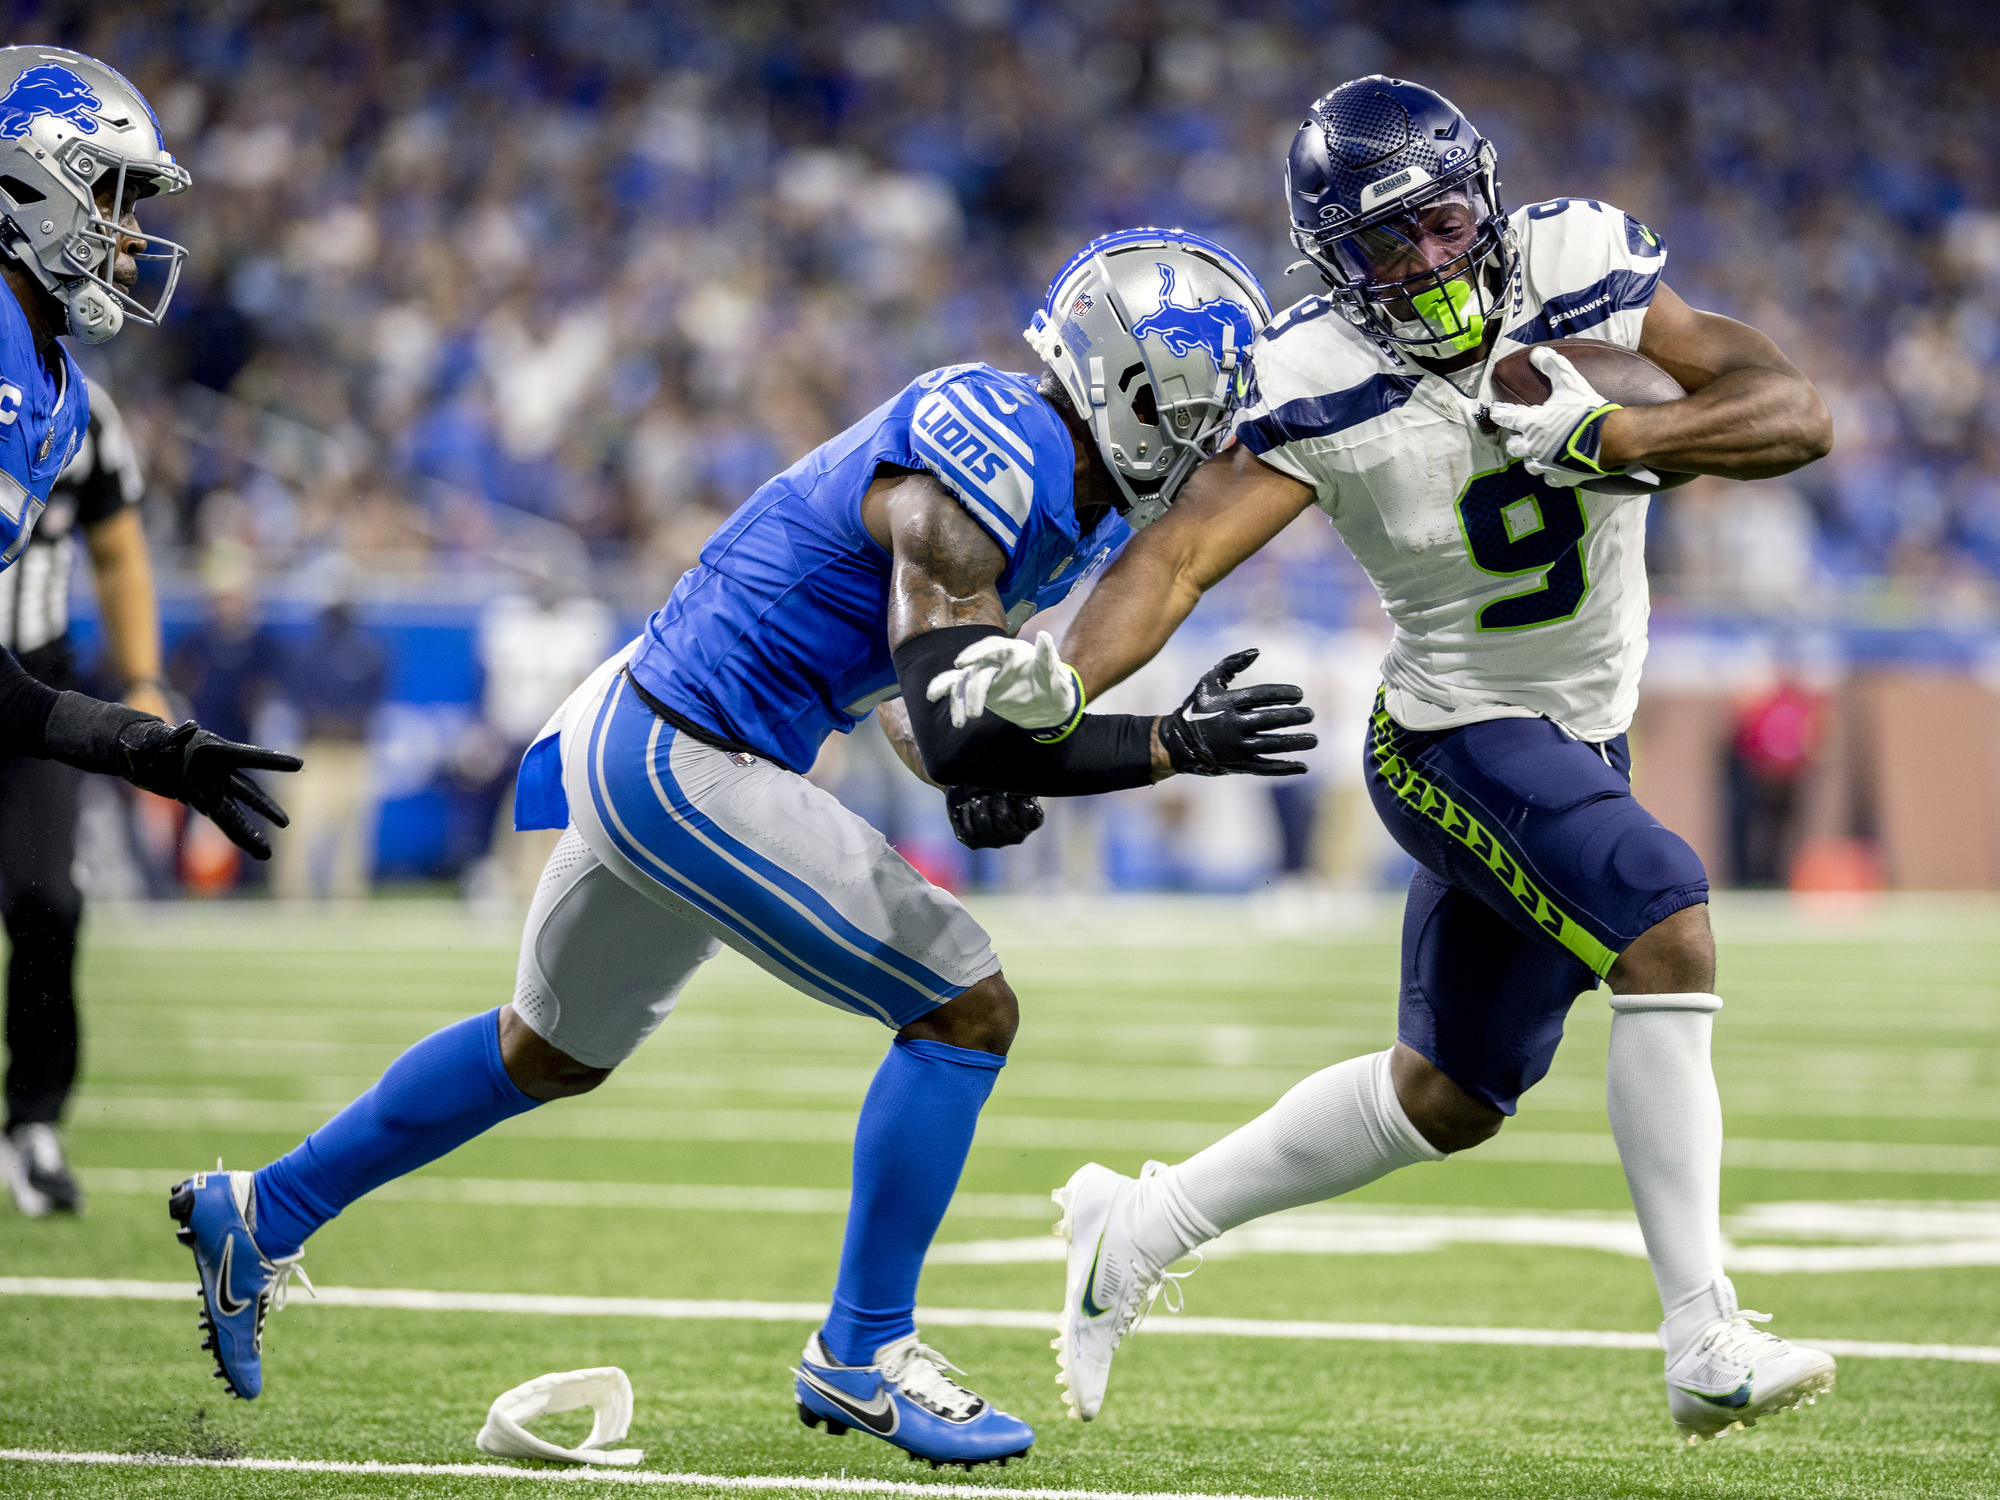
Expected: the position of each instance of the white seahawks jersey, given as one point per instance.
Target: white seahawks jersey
(1511, 597)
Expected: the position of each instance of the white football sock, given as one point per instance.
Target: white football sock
(1332, 1133)
(1667, 1119)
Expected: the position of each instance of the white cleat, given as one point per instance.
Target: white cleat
(1110, 1287)
(29, 1199)
(1733, 1374)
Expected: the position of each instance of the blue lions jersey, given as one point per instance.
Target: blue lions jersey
(779, 637)
(42, 419)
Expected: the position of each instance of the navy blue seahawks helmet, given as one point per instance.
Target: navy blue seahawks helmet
(1394, 199)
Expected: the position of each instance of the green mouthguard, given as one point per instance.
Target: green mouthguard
(1444, 309)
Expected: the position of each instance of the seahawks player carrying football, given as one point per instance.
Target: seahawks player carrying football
(914, 540)
(79, 147)
(1497, 754)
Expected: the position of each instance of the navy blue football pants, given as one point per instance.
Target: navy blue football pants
(1537, 867)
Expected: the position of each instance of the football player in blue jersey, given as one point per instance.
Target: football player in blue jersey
(79, 146)
(888, 569)
(1507, 542)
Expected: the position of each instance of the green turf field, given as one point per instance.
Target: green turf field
(1860, 1064)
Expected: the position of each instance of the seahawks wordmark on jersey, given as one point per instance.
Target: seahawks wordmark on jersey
(1511, 597)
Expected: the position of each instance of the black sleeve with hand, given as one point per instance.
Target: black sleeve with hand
(1105, 753)
(182, 761)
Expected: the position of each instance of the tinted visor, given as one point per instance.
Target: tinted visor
(1416, 243)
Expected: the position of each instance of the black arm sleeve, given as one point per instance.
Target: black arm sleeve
(1105, 753)
(25, 705)
(84, 732)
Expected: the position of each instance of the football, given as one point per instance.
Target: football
(1619, 374)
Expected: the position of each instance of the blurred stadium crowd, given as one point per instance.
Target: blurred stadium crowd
(495, 309)
(461, 269)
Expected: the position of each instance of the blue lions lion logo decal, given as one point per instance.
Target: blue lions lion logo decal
(1201, 326)
(47, 90)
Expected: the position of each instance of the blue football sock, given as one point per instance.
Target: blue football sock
(434, 1098)
(909, 1147)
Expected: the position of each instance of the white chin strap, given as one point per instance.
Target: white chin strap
(606, 1391)
(93, 315)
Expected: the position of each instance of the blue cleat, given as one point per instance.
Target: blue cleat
(239, 1284)
(906, 1399)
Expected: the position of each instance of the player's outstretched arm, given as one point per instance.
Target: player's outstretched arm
(944, 597)
(1750, 414)
(1231, 506)
(944, 605)
(183, 761)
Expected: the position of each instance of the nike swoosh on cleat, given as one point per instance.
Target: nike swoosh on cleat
(878, 1415)
(1090, 1307)
(223, 1303)
(1729, 1400)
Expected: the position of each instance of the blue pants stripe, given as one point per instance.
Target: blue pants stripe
(767, 907)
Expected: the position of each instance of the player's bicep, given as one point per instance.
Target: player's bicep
(947, 568)
(1697, 348)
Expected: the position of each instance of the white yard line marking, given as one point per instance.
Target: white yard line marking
(412, 1300)
(841, 1486)
(1882, 1236)
(1019, 1132)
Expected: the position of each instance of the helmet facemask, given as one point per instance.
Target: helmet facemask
(1186, 428)
(1428, 274)
(87, 261)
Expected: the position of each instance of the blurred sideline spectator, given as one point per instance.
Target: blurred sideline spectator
(1352, 849)
(534, 648)
(1775, 743)
(227, 667)
(336, 680)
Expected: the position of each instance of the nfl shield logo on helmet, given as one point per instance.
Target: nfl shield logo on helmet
(1082, 305)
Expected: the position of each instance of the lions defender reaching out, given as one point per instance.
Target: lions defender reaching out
(911, 541)
(79, 149)
(1497, 754)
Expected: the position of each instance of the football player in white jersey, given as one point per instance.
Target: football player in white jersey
(1497, 752)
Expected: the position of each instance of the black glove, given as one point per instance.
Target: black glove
(991, 820)
(192, 765)
(182, 761)
(1222, 730)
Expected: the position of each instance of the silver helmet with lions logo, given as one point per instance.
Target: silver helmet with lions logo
(79, 146)
(1149, 330)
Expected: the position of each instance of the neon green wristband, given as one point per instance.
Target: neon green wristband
(1055, 736)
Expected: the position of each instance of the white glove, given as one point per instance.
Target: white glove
(1026, 685)
(606, 1391)
(1559, 438)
